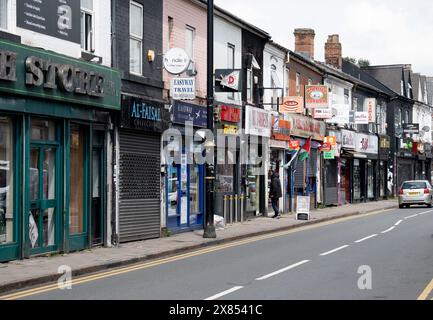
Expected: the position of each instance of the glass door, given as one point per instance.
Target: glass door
(43, 198)
(97, 197)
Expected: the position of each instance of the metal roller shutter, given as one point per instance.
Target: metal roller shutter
(139, 186)
(312, 164)
(299, 174)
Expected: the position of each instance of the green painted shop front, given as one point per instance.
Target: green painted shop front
(53, 147)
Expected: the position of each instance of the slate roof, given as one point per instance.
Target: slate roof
(390, 76)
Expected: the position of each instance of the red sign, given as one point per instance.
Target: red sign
(326, 147)
(230, 114)
(294, 145)
(280, 129)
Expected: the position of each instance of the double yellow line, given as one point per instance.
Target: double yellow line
(427, 291)
(116, 272)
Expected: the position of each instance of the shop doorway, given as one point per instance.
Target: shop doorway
(185, 196)
(44, 193)
(98, 195)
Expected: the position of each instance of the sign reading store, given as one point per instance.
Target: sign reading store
(33, 72)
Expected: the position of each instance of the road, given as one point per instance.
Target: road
(326, 261)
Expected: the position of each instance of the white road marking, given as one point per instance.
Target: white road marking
(335, 250)
(412, 216)
(283, 270)
(388, 230)
(425, 212)
(400, 221)
(222, 294)
(366, 238)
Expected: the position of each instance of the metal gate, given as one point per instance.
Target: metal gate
(139, 186)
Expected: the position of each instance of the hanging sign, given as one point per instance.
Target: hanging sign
(305, 127)
(292, 105)
(176, 61)
(370, 106)
(230, 114)
(361, 117)
(332, 140)
(228, 80)
(231, 130)
(183, 88)
(294, 144)
(340, 114)
(349, 138)
(280, 129)
(316, 96)
(325, 147)
(411, 128)
(329, 155)
(258, 122)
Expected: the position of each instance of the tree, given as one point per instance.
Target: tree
(350, 59)
(360, 62)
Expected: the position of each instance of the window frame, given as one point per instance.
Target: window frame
(231, 54)
(135, 37)
(91, 13)
(250, 85)
(7, 16)
(298, 84)
(192, 55)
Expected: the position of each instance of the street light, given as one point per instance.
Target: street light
(209, 229)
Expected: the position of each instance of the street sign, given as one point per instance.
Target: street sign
(303, 208)
(411, 128)
(228, 80)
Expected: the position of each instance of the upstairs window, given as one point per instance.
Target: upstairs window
(287, 82)
(87, 20)
(136, 38)
(402, 87)
(3, 14)
(189, 45)
(250, 85)
(231, 62)
(298, 84)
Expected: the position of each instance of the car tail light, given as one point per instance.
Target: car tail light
(401, 192)
(426, 191)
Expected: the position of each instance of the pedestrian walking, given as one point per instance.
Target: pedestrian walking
(275, 193)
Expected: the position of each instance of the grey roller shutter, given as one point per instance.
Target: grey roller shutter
(312, 164)
(331, 191)
(139, 186)
(299, 174)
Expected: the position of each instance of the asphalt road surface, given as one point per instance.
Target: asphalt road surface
(380, 256)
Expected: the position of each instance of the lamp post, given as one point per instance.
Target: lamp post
(209, 228)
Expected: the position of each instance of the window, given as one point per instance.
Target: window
(406, 116)
(346, 96)
(310, 82)
(170, 32)
(402, 87)
(250, 85)
(136, 38)
(189, 44)
(287, 82)
(276, 85)
(231, 63)
(3, 14)
(87, 36)
(298, 84)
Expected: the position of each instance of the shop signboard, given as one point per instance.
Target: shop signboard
(183, 88)
(228, 80)
(230, 114)
(305, 127)
(329, 155)
(258, 122)
(316, 96)
(294, 144)
(348, 139)
(332, 140)
(411, 128)
(340, 114)
(27, 71)
(367, 143)
(292, 105)
(303, 208)
(59, 19)
(280, 129)
(182, 112)
(325, 147)
(230, 129)
(361, 117)
(176, 61)
(370, 106)
(320, 113)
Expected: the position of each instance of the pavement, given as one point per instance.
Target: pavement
(18, 275)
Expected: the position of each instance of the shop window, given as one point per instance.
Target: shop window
(250, 85)
(77, 173)
(136, 38)
(87, 20)
(4, 14)
(43, 130)
(7, 223)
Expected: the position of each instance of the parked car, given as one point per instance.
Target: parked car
(415, 193)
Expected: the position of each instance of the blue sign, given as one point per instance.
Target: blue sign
(182, 112)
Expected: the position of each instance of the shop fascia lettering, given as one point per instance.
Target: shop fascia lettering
(146, 112)
(52, 76)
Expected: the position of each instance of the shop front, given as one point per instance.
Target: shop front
(255, 154)
(347, 172)
(142, 121)
(278, 146)
(185, 178)
(305, 176)
(406, 161)
(421, 164)
(227, 183)
(332, 170)
(384, 162)
(54, 142)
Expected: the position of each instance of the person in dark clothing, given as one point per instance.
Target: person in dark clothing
(275, 193)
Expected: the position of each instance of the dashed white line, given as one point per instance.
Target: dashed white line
(398, 223)
(388, 230)
(283, 270)
(366, 238)
(333, 251)
(412, 216)
(222, 294)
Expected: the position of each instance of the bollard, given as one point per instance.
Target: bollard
(242, 208)
(231, 210)
(236, 208)
(225, 209)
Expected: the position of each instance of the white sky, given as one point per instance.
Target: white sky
(382, 31)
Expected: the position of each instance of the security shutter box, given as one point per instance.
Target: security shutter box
(139, 186)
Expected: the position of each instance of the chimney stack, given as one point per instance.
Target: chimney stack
(334, 52)
(304, 42)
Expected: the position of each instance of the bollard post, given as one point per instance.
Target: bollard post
(236, 208)
(231, 209)
(242, 208)
(225, 209)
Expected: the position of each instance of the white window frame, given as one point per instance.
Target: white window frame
(287, 82)
(250, 85)
(91, 13)
(137, 38)
(231, 54)
(298, 84)
(189, 28)
(7, 16)
(170, 27)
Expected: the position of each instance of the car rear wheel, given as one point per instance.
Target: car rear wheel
(401, 206)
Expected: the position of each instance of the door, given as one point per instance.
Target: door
(98, 196)
(185, 194)
(44, 204)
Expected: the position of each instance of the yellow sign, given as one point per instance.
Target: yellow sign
(231, 130)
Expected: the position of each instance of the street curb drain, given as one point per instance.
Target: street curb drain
(10, 288)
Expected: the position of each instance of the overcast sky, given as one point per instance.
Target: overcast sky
(382, 31)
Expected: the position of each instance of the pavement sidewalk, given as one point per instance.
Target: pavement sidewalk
(17, 275)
